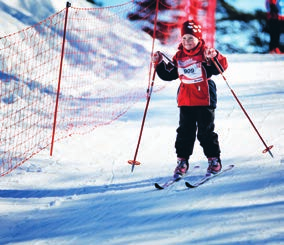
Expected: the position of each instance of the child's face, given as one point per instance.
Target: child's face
(189, 41)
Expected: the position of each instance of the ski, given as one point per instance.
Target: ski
(171, 181)
(167, 183)
(207, 177)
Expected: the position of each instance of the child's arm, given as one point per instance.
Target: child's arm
(221, 60)
(167, 72)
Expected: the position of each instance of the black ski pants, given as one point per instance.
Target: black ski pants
(196, 120)
(274, 32)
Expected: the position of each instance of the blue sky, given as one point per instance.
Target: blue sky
(248, 5)
(113, 2)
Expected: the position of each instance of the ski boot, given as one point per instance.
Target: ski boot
(182, 167)
(215, 165)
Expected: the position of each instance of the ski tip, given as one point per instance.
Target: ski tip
(190, 185)
(158, 186)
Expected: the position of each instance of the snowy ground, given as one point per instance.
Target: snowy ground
(86, 193)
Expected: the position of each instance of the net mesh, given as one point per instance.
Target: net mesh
(50, 91)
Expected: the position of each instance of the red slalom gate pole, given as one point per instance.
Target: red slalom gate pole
(149, 93)
(267, 148)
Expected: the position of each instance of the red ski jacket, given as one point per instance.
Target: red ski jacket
(275, 9)
(194, 71)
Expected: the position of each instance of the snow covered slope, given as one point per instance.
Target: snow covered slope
(86, 193)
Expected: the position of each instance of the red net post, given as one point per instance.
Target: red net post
(59, 77)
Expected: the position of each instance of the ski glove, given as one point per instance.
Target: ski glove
(157, 58)
(210, 53)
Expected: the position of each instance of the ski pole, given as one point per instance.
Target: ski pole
(267, 148)
(149, 92)
(167, 58)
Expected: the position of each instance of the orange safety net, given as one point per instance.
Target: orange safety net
(68, 74)
(97, 85)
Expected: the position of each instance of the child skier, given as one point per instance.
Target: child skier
(196, 96)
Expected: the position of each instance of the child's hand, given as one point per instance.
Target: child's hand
(210, 53)
(157, 58)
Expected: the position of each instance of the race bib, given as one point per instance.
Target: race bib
(190, 73)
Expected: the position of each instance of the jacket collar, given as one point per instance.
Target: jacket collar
(193, 51)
